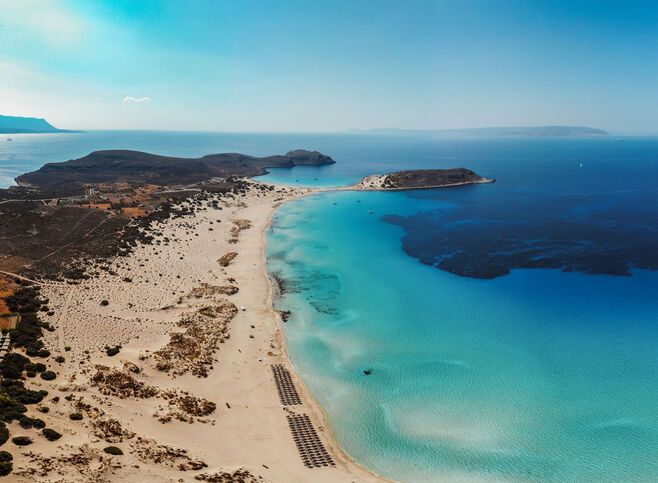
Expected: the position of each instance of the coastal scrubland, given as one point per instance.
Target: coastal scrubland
(143, 351)
(144, 340)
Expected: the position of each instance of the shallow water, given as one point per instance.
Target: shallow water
(532, 375)
(480, 368)
(539, 375)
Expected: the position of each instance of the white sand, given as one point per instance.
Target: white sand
(252, 434)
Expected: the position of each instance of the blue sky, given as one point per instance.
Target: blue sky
(243, 65)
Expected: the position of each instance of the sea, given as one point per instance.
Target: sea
(498, 332)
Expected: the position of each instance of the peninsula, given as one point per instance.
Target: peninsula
(26, 125)
(138, 168)
(142, 344)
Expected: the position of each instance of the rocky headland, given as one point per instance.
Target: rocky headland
(138, 168)
(26, 125)
(422, 179)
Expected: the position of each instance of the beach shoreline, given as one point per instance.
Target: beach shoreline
(142, 303)
(319, 416)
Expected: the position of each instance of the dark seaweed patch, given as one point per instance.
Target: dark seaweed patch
(487, 241)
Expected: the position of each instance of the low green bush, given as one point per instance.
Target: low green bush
(20, 394)
(38, 423)
(12, 364)
(10, 373)
(113, 450)
(25, 423)
(48, 375)
(112, 351)
(10, 409)
(35, 366)
(21, 440)
(51, 434)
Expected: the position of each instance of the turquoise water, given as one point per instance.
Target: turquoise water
(510, 330)
(536, 376)
(480, 369)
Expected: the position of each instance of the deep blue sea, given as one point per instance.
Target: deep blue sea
(509, 332)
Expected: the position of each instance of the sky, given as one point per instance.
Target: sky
(298, 65)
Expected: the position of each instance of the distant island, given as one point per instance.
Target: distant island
(27, 125)
(533, 131)
(422, 179)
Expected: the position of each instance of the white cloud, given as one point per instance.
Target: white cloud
(136, 101)
(67, 103)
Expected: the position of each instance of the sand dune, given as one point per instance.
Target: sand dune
(190, 394)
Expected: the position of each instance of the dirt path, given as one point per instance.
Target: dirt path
(61, 320)
(36, 282)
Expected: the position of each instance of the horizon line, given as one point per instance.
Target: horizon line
(346, 131)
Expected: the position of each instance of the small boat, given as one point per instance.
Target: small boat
(370, 212)
(9, 139)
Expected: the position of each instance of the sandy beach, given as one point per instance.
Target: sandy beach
(167, 355)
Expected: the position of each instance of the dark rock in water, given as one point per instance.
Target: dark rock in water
(324, 307)
(277, 283)
(367, 372)
(281, 285)
(285, 315)
(489, 240)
